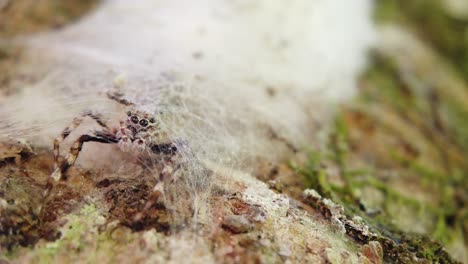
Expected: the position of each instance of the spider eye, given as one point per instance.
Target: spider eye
(143, 122)
(129, 113)
(152, 120)
(134, 119)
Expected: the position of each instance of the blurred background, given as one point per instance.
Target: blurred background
(396, 154)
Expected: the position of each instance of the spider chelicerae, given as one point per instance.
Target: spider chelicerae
(136, 133)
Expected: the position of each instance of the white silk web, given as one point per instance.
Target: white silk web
(237, 80)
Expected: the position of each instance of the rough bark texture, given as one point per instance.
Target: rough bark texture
(387, 183)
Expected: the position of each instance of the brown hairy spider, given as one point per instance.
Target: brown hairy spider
(136, 133)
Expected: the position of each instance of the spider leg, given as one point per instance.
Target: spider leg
(116, 96)
(66, 132)
(164, 148)
(157, 191)
(140, 141)
(56, 176)
(125, 137)
(167, 173)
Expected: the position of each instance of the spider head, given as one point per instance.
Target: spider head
(140, 121)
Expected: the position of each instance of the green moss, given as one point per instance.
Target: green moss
(313, 174)
(456, 113)
(339, 150)
(382, 73)
(435, 120)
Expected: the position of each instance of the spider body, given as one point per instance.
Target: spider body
(137, 133)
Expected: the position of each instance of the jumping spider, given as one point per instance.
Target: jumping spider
(136, 133)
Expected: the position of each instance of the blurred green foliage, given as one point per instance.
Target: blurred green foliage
(433, 22)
